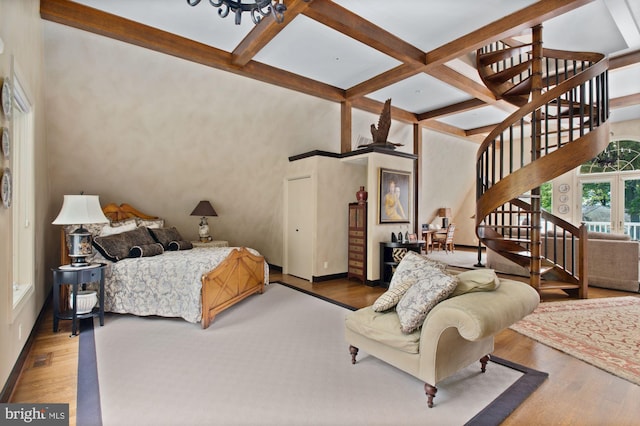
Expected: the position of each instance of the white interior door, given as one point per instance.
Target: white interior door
(299, 223)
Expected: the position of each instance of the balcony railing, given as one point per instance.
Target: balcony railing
(630, 228)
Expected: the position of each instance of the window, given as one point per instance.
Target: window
(23, 170)
(610, 189)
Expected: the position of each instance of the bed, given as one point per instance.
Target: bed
(192, 283)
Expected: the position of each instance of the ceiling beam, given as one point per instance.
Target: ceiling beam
(504, 27)
(89, 19)
(625, 101)
(451, 109)
(358, 28)
(264, 32)
(621, 61)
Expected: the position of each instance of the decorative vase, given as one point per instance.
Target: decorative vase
(362, 195)
(393, 238)
(406, 237)
(400, 236)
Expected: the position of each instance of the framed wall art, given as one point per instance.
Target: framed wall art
(395, 196)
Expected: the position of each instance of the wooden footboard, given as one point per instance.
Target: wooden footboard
(240, 275)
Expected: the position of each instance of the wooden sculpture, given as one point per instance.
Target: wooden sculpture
(380, 133)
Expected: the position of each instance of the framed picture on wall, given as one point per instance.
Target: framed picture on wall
(395, 196)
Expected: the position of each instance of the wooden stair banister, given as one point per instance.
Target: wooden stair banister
(564, 97)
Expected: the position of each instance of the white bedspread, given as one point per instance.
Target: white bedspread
(167, 285)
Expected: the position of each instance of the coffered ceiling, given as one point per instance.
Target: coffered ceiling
(419, 53)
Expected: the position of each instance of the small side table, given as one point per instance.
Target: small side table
(75, 276)
(389, 260)
(219, 243)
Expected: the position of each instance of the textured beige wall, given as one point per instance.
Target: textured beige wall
(137, 126)
(21, 32)
(448, 180)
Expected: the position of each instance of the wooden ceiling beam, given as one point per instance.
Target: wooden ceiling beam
(625, 101)
(380, 81)
(375, 107)
(461, 82)
(451, 109)
(358, 28)
(264, 32)
(505, 27)
(621, 61)
(89, 19)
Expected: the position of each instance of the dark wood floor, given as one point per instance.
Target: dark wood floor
(576, 393)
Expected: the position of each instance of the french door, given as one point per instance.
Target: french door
(610, 203)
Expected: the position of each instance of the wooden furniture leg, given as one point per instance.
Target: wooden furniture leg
(431, 393)
(354, 352)
(483, 363)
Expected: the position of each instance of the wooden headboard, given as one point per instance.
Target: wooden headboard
(114, 213)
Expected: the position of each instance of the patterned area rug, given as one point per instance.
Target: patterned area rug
(603, 332)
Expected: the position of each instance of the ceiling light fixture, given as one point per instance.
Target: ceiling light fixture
(257, 8)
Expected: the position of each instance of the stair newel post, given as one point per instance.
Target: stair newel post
(536, 146)
(582, 265)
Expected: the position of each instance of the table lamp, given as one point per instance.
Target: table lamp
(204, 209)
(80, 210)
(445, 214)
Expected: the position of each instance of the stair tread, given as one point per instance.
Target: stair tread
(560, 285)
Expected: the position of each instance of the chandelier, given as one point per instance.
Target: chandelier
(257, 8)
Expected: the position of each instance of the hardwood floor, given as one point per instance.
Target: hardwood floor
(576, 393)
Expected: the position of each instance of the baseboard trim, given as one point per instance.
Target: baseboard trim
(12, 381)
(322, 278)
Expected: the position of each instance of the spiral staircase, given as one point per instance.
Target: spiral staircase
(561, 123)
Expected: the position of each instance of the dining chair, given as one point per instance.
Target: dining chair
(446, 241)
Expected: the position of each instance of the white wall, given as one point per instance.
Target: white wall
(136, 126)
(448, 180)
(21, 32)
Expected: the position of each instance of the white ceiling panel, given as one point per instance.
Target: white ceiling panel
(428, 24)
(625, 81)
(478, 117)
(315, 51)
(200, 23)
(420, 93)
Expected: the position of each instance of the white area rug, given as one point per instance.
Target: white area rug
(461, 258)
(279, 358)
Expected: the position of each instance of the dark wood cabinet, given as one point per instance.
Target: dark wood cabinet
(357, 262)
(391, 253)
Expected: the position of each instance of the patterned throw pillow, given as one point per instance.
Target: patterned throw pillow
(150, 223)
(146, 250)
(391, 297)
(476, 280)
(165, 236)
(118, 227)
(180, 245)
(433, 286)
(117, 247)
(411, 268)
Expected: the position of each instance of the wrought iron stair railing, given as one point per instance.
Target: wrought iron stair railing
(561, 123)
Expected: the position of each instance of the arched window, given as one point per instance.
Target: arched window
(619, 156)
(610, 189)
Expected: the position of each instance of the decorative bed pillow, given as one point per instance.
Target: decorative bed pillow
(116, 247)
(165, 235)
(180, 245)
(411, 268)
(146, 250)
(118, 227)
(434, 286)
(390, 298)
(476, 280)
(150, 223)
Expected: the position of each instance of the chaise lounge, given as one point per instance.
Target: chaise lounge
(456, 332)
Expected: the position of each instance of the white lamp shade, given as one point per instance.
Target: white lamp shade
(79, 210)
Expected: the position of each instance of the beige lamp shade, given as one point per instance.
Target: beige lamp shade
(444, 212)
(80, 210)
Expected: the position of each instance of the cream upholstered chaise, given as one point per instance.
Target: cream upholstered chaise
(456, 332)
